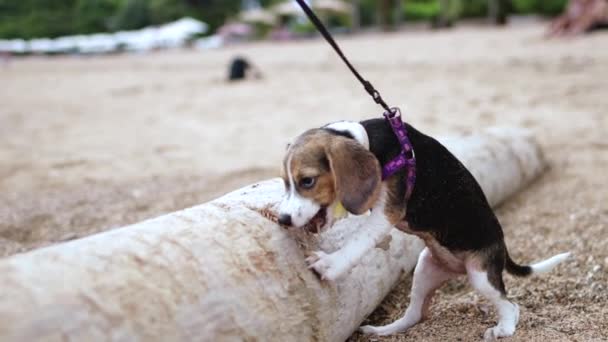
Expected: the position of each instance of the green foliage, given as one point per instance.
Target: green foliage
(543, 7)
(474, 8)
(551, 7)
(339, 20)
(421, 10)
(91, 16)
(305, 28)
(428, 9)
(524, 6)
(133, 14)
(213, 12)
(268, 3)
(367, 12)
(37, 16)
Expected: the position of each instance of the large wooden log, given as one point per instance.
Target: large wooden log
(223, 271)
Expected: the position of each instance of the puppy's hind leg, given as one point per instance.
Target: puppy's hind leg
(428, 276)
(489, 284)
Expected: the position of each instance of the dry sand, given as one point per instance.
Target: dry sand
(89, 144)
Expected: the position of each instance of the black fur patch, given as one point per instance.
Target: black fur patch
(446, 201)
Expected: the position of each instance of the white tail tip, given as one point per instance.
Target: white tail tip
(548, 264)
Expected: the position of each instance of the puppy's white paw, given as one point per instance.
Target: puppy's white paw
(493, 334)
(504, 328)
(327, 266)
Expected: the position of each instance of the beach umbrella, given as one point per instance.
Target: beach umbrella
(332, 6)
(258, 15)
(289, 8)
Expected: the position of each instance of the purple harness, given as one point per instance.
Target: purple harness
(406, 158)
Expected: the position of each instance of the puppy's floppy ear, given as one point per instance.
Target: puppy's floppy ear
(356, 173)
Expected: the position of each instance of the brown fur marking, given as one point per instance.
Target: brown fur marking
(356, 173)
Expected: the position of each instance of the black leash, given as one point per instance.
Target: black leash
(366, 84)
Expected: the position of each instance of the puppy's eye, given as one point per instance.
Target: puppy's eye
(308, 182)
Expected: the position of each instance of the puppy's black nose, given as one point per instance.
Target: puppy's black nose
(285, 219)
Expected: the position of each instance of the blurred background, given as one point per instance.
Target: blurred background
(114, 111)
(51, 18)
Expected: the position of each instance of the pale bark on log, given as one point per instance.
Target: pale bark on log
(223, 271)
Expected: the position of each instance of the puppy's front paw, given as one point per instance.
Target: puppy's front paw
(327, 266)
(493, 334)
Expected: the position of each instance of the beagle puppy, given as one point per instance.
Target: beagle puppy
(340, 165)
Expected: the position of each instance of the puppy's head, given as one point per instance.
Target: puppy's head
(322, 169)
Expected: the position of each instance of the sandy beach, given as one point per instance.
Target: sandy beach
(89, 144)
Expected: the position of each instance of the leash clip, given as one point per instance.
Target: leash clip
(375, 94)
(392, 113)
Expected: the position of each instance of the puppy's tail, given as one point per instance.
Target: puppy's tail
(537, 268)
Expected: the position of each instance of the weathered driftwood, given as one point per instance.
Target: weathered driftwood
(223, 271)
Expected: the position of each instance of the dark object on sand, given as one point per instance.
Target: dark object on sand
(580, 16)
(240, 69)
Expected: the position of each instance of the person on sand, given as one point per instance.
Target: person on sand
(579, 17)
(240, 68)
(4, 58)
(282, 31)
